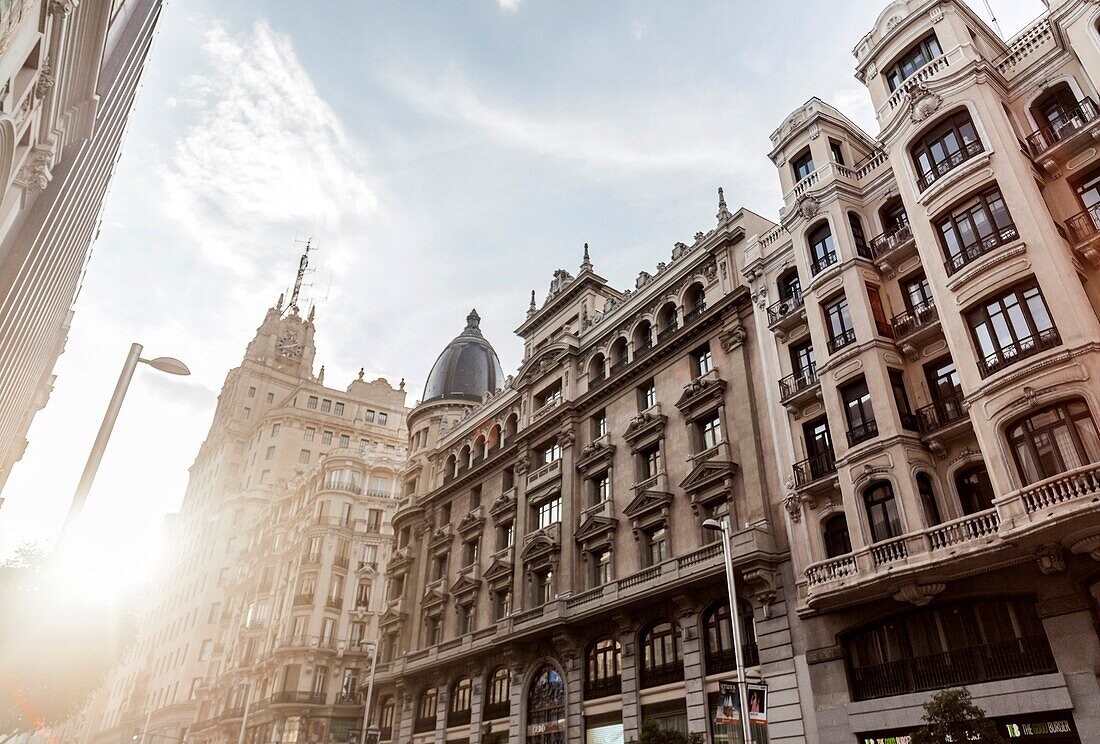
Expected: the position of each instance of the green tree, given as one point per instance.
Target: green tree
(56, 644)
(951, 716)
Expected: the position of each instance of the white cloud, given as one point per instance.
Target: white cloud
(687, 132)
(264, 156)
(510, 5)
(638, 28)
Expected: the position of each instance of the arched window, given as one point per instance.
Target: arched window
(1054, 439)
(944, 146)
(498, 694)
(789, 286)
(948, 646)
(643, 336)
(494, 438)
(602, 669)
(618, 353)
(928, 500)
(859, 238)
(597, 368)
(426, 711)
(974, 489)
(822, 248)
(480, 447)
(661, 661)
(666, 320)
(720, 653)
(511, 425)
(385, 718)
(882, 511)
(451, 469)
(546, 707)
(695, 301)
(1058, 114)
(458, 709)
(465, 457)
(837, 540)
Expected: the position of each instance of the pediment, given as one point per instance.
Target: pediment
(498, 571)
(708, 474)
(440, 538)
(504, 504)
(402, 558)
(595, 527)
(648, 502)
(392, 617)
(472, 522)
(595, 454)
(433, 598)
(464, 585)
(700, 392)
(539, 365)
(643, 425)
(539, 546)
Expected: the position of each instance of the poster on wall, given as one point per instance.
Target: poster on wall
(758, 705)
(728, 710)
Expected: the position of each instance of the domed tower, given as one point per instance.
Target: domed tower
(467, 369)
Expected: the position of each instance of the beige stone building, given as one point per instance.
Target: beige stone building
(931, 295)
(263, 617)
(69, 72)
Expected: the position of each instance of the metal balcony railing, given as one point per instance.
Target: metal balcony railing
(1083, 226)
(887, 242)
(836, 343)
(662, 674)
(600, 688)
(820, 263)
(1069, 124)
(785, 307)
(861, 433)
(910, 321)
(948, 164)
(726, 659)
(965, 666)
(814, 467)
(976, 250)
(941, 413)
(1022, 349)
(795, 383)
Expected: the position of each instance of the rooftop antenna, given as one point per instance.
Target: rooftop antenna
(993, 19)
(303, 265)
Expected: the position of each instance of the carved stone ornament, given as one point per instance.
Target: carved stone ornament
(45, 83)
(644, 278)
(1089, 546)
(1050, 558)
(919, 594)
(522, 465)
(732, 338)
(35, 175)
(710, 270)
(61, 7)
(807, 207)
(793, 505)
(922, 103)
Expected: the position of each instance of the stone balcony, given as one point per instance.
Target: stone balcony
(916, 565)
(544, 474)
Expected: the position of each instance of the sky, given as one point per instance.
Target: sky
(441, 156)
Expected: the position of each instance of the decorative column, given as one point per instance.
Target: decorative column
(443, 702)
(403, 713)
(520, 594)
(573, 668)
(477, 697)
(630, 681)
(518, 715)
(567, 564)
(687, 619)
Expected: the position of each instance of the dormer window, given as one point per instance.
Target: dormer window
(916, 57)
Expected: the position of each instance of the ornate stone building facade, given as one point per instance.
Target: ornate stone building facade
(552, 580)
(69, 72)
(264, 620)
(931, 297)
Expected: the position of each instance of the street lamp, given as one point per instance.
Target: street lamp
(735, 617)
(373, 669)
(163, 364)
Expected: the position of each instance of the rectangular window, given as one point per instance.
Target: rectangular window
(502, 604)
(374, 520)
(310, 433)
(544, 587)
(878, 313)
(311, 404)
(338, 409)
(435, 630)
(548, 512)
(901, 401)
(466, 619)
(345, 440)
(382, 418)
(326, 437)
(270, 398)
(247, 412)
(702, 361)
(506, 535)
(601, 489)
(251, 392)
(326, 405)
(858, 412)
(368, 416)
(802, 166)
(205, 650)
(838, 323)
(303, 457)
(650, 462)
(270, 454)
(601, 567)
(599, 425)
(710, 431)
(362, 594)
(470, 550)
(275, 428)
(1010, 327)
(974, 228)
(551, 453)
(264, 476)
(836, 152)
(916, 57)
(647, 395)
(944, 148)
(656, 547)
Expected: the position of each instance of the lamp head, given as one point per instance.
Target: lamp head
(713, 524)
(169, 365)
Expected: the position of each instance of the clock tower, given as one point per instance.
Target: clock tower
(284, 341)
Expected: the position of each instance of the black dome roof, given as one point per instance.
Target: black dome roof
(467, 369)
